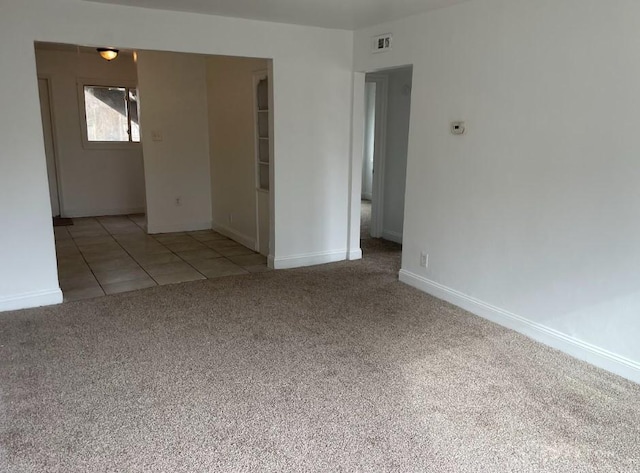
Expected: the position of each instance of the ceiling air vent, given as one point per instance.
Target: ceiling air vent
(382, 43)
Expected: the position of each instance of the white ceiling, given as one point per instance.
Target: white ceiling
(342, 14)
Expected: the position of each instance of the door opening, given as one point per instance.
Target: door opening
(387, 109)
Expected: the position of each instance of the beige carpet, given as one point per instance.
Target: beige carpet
(335, 368)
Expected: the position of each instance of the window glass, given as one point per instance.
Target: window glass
(107, 114)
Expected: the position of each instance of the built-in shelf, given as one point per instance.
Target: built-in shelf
(263, 144)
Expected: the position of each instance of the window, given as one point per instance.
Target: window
(111, 114)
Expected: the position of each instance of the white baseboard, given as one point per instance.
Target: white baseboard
(355, 255)
(31, 299)
(392, 236)
(235, 235)
(79, 213)
(309, 259)
(153, 229)
(577, 348)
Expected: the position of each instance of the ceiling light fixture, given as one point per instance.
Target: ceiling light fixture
(108, 54)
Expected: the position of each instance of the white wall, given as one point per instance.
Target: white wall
(312, 131)
(396, 144)
(531, 218)
(175, 137)
(232, 145)
(93, 181)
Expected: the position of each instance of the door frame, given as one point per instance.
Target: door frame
(379, 152)
(54, 137)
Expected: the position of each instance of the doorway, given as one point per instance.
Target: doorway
(130, 224)
(387, 111)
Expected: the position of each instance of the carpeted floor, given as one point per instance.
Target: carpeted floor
(334, 368)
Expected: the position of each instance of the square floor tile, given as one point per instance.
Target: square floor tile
(172, 237)
(218, 244)
(94, 240)
(85, 222)
(147, 260)
(181, 276)
(222, 267)
(79, 294)
(207, 235)
(65, 272)
(64, 240)
(185, 246)
(168, 268)
(82, 281)
(133, 237)
(120, 275)
(235, 251)
(74, 259)
(248, 260)
(128, 230)
(72, 262)
(145, 250)
(95, 256)
(67, 251)
(126, 286)
(125, 262)
(90, 232)
(261, 268)
(195, 255)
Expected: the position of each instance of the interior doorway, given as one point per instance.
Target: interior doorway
(387, 104)
(126, 220)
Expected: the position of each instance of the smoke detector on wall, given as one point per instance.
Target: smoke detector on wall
(382, 43)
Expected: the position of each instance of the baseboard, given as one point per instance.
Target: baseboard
(577, 348)
(31, 299)
(79, 213)
(392, 236)
(235, 235)
(355, 255)
(309, 259)
(177, 227)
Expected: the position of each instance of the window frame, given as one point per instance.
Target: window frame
(105, 145)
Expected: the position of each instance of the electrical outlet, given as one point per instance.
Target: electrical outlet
(230, 218)
(178, 201)
(424, 259)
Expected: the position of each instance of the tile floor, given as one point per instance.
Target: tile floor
(106, 255)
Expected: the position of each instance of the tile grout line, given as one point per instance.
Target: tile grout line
(85, 260)
(174, 253)
(127, 252)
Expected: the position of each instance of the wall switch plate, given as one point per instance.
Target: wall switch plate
(424, 260)
(381, 43)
